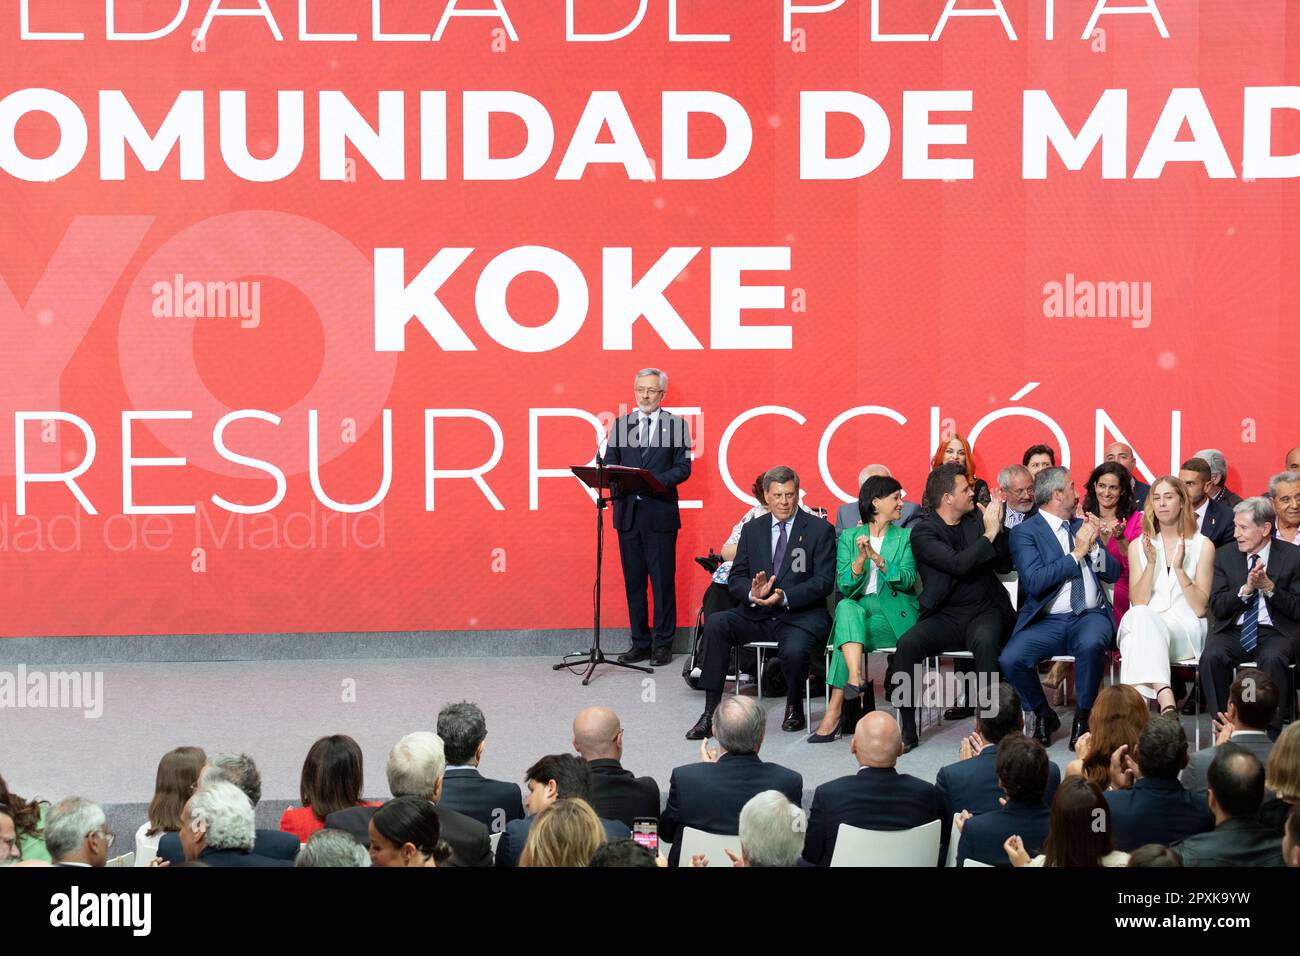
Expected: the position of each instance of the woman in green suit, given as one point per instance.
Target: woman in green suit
(876, 575)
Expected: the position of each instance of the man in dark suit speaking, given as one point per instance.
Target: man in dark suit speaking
(783, 571)
(647, 525)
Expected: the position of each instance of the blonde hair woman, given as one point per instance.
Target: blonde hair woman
(1171, 572)
(567, 833)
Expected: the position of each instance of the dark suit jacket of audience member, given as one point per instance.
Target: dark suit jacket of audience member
(468, 839)
(848, 516)
(493, 803)
(1194, 774)
(225, 858)
(1156, 811)
(1217, 525)
(874, 798)
(973, 784)
(806, 583)
(710, 796)
(511, 845)
(275, 844)
(982, 837)
(1233, 843)
(618, 795)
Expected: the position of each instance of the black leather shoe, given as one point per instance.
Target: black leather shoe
(907, 724)
(959, 713)
(634, 655)
(703, 728)
(1046, 723)
(1079, 728)
(794, 718)
(663, 656)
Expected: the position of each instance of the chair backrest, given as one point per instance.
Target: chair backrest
(954, 836)
(969, 862)
(1011, 582)
(146, 856)
(712, 845)
(126, 859)
(918, 846)
(494, 839)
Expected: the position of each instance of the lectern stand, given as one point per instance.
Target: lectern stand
(617, 481)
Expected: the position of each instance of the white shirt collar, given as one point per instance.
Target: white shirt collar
(1200, 512)
(1262, 552)
(1052, 520)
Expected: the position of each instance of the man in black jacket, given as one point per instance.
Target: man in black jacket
(1236, 780)
(1022, 772)
(217, 828)
(615, 793)
(1157, 808)
(493, 803)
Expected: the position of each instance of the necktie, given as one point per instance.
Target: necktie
(1077, 588)
(1250, 621)
(781, 542)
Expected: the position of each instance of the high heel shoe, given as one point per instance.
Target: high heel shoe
(823, 738)
(852, 691)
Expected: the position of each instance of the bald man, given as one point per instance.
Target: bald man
(1293, 459)
(877, 797)
(1123, 454)
(616, 794)
(849, 514)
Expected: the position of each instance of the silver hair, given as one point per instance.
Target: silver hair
(240, 770)
(1009, 472)
(227, 812)
(67, 824)
(1048, 482)
(771, 830)
(739, 724)
(663, 376)
(1214, 458)
(1281, 478)
(414, 765)
(1260, 510)
(333, 848)
(779, 476)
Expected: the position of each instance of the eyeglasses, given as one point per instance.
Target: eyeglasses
(108, 836)
(648, 391)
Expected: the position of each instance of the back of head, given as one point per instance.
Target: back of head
(595, 733)
(1080, 833)
(739, 724)
(67, 824)
(1236, 781)
(1022, 769)
(877, 740)
(1153, 854)
(570, 772)
(225, 814)
(1117, 718)
(415, 764)
(332, 848)
(1162, 749)
(1007, 719)
(623, 853)
(1283, 772)
(567, 833)
(771, 830)
(941, 481)
(178, 772)
(332, 775)
(240, 770)
(462, 728)
(412, 820)
(1255, 696)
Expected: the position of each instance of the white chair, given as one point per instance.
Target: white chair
(146, 856)
(126, 859)
(761, 648)
(494, 839)
(954, 836)
(977, 863)
(918, 846)
(712, 845)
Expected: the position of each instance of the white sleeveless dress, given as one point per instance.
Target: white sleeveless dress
(1165, 629)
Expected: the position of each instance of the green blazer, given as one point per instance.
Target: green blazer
(894, 587)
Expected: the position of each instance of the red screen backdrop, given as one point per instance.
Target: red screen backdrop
(428, 250)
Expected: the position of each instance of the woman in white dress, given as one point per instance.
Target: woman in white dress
(1171, 571)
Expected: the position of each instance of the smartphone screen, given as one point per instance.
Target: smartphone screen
(645, 831)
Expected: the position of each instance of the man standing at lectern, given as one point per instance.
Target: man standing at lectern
(647, 524)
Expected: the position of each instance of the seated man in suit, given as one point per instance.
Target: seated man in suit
(554, 777)
(1213, 518)
(1256, 606)
(1252, 705)
(1236, 792)
(76, 833)
(709, 795)
(1022, 774)
(1156, 808)
(971, 784)
(415, 769)
(494, 803)
(1064, 608)
(782, 574)
(217, 828)
(615, 793)
(1122, 453)
(1017, 486)
(1218, 489)
(963, 604)
(877, 797)
(240, 770)
(848, 515)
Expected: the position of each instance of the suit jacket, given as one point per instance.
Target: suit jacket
(1194, 774)
(1230, 576)
(710, 796)
(939, 564)
(511, 845)
(1140, 491)
(982, 837)
(274, 844)
(847, 516)
(1229, 499)
(1233, 843)
(807, 575)
(493, 803)
(874, 798)
(667, 457)
(896, 587)
(973, 784)
(467, 837)
(225, 858)
(1156, 811)
(618, 795)
(1217, 524)
(1043, 567)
